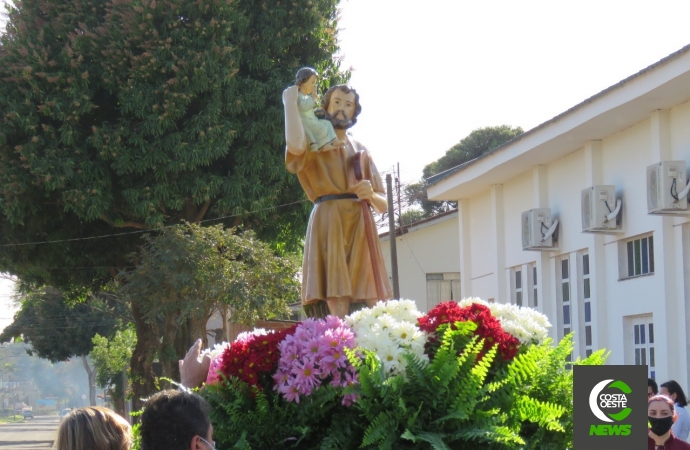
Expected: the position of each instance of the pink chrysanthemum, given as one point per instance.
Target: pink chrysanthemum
(315, 355)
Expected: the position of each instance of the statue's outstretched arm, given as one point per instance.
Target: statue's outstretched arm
(295, 140)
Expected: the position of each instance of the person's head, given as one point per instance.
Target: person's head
(306, 79)
(175, 420)
(93, 428)
(673, 390)
(661, 413)
(342, 106)
(652, 388)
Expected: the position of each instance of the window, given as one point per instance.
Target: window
(643, 344)
(640, 256)
(441, 287)
(517, 286)
(535, 294)
(565, 317)
(565, 294)
(587, 300)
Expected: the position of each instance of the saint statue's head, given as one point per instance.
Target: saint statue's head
(342, 107)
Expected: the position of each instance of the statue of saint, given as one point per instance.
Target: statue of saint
(337, 262)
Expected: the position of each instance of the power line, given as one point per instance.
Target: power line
(149, 230)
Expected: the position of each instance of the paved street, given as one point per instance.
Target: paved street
(31, 434)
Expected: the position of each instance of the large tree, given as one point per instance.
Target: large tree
(477, 143)
(132, 115)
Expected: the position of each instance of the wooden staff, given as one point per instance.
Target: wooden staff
(370, 230)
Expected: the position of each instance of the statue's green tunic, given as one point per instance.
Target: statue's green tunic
(336, 254)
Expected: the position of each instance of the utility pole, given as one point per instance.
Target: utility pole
(397, 187)
(393, 237)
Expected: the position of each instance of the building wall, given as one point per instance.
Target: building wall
(616, 303)
(431, 247)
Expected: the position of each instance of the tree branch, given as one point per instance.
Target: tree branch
(202, 212)
(128, 224)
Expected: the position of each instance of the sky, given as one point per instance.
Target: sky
(428, 73)
(7, 308)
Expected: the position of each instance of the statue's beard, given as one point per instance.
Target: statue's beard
(340, 120)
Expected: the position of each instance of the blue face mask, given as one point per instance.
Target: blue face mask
(660, 425)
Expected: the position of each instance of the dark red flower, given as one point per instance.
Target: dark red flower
(488, 327)
(255, 358)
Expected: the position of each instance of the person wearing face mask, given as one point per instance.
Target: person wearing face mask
(672, 390)
(661, 414)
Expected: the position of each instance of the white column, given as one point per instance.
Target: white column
(669, 319)
(597, 255)
(498, 224)
(546, 271)
(465, 248)
(684, 265)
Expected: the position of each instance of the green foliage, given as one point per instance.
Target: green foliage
(141, 114)
(411, 216)
(191, 270)
(246, 418)
(466, 400)
(477, 143)
(110, 357)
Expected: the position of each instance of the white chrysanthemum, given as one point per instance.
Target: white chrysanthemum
(403, 332)
(389, 356)
(390, 330)
(215, 351)
(526, 324)
(386, 322)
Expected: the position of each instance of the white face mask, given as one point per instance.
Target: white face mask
(212, 447)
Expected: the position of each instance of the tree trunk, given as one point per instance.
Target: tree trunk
(224, 317)
(170, 354)
(92, 380)
(143, 378)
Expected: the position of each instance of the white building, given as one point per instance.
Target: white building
(627, 290)
(428, 264)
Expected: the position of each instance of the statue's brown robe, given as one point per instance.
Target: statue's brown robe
(336, 254)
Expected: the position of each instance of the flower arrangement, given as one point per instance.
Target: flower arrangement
(465, 375)
(390, 330)
(253, 355)
(313, 355)
(488, 326)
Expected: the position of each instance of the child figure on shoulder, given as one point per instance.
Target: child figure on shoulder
(320, 132)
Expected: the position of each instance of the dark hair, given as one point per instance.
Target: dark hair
(674, 388)
(651, 383)
(171, 419)
(346, 89)
(304, 74)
